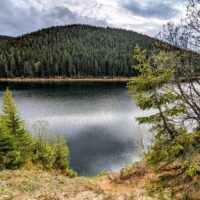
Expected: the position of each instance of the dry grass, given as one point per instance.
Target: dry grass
(36, 183)
(132, 183)
(43, 185)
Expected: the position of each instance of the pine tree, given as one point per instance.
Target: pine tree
(12, 122)
(154, 89)
(17, 146)
(149, 93)
(10, 157)
(58, 47)
(11, 116)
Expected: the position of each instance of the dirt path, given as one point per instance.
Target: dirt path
(42, 185)
(124, 189)
(107, 183)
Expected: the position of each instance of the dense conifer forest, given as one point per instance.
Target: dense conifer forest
(5, 37)
(74, 50)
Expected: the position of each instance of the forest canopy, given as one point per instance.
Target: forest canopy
(74, 50)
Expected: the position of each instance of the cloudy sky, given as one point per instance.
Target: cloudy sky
(145, 16)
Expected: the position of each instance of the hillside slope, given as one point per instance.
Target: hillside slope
(43, 185)
(2, 37)
(74, 50)
(135, 182)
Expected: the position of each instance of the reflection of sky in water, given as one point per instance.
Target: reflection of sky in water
(98, 121)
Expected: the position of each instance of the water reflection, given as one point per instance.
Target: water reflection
(97, 119)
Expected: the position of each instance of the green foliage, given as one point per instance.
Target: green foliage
(75, 50)
(145, 89)
(14, 138)
(61, 154)
(11, 120)
(189, 167)
(18, 147)
(154, 89)
(43, 154)
(71, 173)
(48, 155)
(14, 160)
(10, 158)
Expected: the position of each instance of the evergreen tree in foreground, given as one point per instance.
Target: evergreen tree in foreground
(13, 123)
(18, 147)
(10, 157)
(154, 89)
(175, 153)
(11, 118)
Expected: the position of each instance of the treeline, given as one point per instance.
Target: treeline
(19, 148)
(2, 37)
(75, 50)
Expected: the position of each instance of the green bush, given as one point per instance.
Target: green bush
(18, 147)
(43, 154)
(61, 154)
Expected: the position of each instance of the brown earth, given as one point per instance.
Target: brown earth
(42, 185)
(134, 182)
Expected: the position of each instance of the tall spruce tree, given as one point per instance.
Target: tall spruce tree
(10, 157)
(14, 125)
(11, 116)
(154, 89)
(17, 146)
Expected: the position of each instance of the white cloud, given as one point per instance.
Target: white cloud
(146, 16)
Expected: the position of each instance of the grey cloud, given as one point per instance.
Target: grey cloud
(156, 9)
(16, 20)
(61, 13)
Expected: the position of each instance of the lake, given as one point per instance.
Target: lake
(97, 119)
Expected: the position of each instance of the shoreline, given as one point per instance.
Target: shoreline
(58, 79)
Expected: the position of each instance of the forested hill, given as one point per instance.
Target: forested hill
(2, 37)
(74, 50)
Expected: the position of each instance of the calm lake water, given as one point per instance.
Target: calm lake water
(96, 118)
